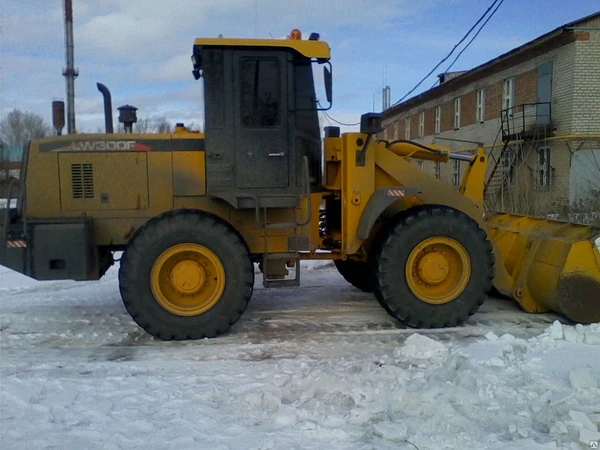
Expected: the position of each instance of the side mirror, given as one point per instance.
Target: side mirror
(328, 84)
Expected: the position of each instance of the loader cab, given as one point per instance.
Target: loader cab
(262, 135)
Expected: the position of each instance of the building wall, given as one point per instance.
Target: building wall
(586, 86)
(525, 75)
(575, 110)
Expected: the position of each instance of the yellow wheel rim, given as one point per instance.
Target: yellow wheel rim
(438, 270)
(187, 279)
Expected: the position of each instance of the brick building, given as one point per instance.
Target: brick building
(535, 109)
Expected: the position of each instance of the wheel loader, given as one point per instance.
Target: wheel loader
(193, 213)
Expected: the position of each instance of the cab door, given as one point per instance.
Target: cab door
(262, 153)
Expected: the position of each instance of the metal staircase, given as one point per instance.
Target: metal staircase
(522, 129)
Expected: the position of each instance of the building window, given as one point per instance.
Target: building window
(456, 173)
(438, 119)
(420, 164)
(544, 167)
(422, 124)
(437, 170)
(457, 113)
(407, 128)
(508, 99)
(480, 106)
(395, 130)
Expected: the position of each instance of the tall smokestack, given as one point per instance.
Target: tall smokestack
(70, 72)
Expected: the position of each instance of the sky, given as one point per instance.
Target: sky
(141, 49)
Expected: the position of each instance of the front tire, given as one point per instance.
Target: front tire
(186, 275)
(433, 268)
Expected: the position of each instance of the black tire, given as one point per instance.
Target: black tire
(392, 255)
(164, 232)
(358, 273)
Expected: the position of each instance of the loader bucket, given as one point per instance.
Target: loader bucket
(547, 265)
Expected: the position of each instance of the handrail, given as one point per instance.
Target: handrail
(509, 117)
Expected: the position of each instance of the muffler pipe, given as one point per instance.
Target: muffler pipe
(108, 119)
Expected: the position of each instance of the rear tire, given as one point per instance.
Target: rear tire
(451, 268)
(186, 275)
(358, 273)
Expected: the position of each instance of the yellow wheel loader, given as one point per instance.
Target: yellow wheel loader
(193, 212)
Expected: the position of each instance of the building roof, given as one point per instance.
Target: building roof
(559, 36)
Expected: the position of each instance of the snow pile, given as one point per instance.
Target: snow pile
(496, 393)
(582, 378)
(557, 332)
(561, 353)
(419, 347)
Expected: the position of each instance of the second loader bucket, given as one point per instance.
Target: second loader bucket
(547, 265)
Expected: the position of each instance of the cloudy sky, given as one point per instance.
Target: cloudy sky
(141, 48)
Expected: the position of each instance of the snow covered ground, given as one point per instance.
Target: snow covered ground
(316, 367)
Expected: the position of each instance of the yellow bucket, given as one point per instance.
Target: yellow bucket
(547, 265)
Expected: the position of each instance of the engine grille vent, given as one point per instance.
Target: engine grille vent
(82, 180)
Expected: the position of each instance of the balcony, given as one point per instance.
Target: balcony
(526, 121)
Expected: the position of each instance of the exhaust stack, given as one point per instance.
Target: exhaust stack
(108, 118)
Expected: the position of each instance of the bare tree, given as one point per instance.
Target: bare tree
(156, 124)
(193, 126)
(19, 127)
(143, 125)
(162, 125)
